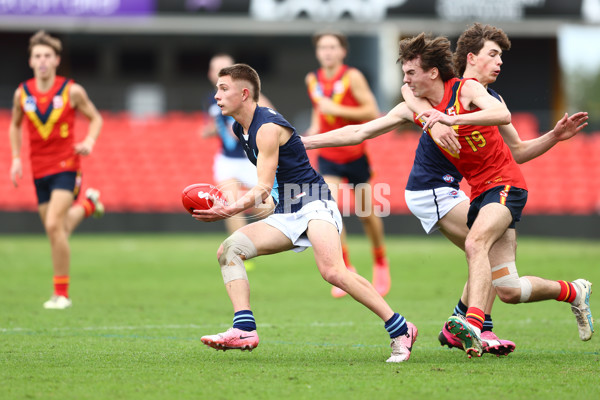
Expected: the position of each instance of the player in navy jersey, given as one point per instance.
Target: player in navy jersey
(305, 215)
(432, 192)
(435, 82)
(231, 169)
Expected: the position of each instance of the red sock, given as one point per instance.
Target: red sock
(88, 206)
(61, 285)
(475, 317)
(567, 292)
(379, 255)
(346, 255)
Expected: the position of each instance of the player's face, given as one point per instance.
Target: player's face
(43, 61)
(330, 52)
(487, 63)
(418, 80)
(217, 64)
(229, 95)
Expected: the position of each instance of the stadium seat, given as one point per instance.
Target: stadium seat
(161, 155)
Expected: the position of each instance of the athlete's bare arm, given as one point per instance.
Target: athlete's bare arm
(81, 102)
(355, 134)
(443, 135)
(16, 138)
(523, 151)
(473, 94)
(268, 139)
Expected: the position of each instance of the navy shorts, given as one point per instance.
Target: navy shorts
(357, 171)
(515, 200)
(69, 180)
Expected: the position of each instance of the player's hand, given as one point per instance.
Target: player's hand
(568, 127)
(216, 213)
(306, 141)
(327, 106)
(16, 171)
(446, 138)
(433, 116)
(85, 147)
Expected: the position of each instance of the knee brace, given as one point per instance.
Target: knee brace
(232, 265)
(505, 275)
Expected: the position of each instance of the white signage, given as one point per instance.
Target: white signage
(322, 10)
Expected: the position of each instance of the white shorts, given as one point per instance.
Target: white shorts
(240, 169)
(431, 205)
(294, 225)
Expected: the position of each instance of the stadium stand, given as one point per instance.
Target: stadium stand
(159, 156)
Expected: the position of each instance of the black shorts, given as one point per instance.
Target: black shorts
(515, 200)
(357, 171)
(69, 180)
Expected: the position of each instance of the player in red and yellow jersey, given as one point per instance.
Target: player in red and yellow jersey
(47, 103)
(498, 188)
(499, 192)
(341, 96)
(483, 146)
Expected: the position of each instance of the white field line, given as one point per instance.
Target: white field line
(262, 325)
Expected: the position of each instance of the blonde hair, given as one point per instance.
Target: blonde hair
(41, 37)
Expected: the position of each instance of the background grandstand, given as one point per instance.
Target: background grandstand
(144, 64)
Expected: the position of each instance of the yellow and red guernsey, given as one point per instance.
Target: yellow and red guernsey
(484, 160)
(50, 119)
(337, 88)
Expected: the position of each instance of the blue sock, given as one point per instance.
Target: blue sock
(460, 309)
(488, 325)
(396, 325)
(244, 320)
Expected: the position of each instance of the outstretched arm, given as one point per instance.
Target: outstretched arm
(473, 94)
(443, 135)
(355, 134)
(524, 151)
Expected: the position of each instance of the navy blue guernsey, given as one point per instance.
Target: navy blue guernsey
(296, 181)
(431, 169)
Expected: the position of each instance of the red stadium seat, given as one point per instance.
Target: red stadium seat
(159, 156)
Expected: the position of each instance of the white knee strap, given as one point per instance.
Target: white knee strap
(506, 275)
(232, 265)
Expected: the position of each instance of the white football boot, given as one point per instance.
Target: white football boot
(57, 303)
(581, 308)
(94, 196)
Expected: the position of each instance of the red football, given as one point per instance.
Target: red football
(200, 196)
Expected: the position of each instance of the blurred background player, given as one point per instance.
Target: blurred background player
(341, 96)
(48, 102)
(233, 172)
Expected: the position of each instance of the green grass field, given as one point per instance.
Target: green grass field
(141, 303)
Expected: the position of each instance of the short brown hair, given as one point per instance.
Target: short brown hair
(338, 35)
(472, 41)
(244, 72)
(434, 53)
(41, 37)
